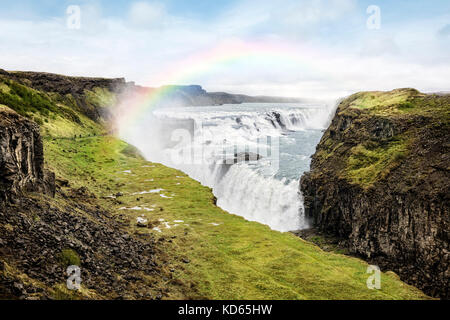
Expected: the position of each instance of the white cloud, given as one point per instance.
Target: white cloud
(310, 65)
(445, 31)
(147, 13)
(313, 12)
(286, 17)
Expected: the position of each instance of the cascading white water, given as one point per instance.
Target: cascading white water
(257, 190)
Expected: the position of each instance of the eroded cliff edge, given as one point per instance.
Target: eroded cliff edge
(21, 157)
(379, 180)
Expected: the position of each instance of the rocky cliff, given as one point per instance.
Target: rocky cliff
(21, 157)
(46, 224)
(379, 180)
(91, 96)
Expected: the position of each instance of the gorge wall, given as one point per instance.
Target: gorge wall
(379, 180)
(48, 223)
(21, 157)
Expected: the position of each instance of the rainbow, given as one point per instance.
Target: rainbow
(222, 55)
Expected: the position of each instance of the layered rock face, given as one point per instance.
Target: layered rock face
(21, 157)
(379, 180)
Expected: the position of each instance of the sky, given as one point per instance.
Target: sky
(298, 48)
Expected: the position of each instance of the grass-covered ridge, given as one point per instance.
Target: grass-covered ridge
(375, 100)
(389, 122)
(59, 116)
(215, 254)
(398, 102)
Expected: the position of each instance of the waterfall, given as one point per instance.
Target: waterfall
(200, 141)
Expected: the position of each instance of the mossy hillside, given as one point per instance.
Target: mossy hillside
(374, 100)
(364, 158)
(369, 162)
(213, 254)
(59, 116)
(24, 100)
(398, 102)
(101, 97)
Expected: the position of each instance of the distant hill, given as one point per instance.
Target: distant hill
(195, 95)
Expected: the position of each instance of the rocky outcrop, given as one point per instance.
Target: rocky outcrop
(41, 236)
(50, 82)
(34, 236)
(379, 180)
(21, 157)
(72, 89)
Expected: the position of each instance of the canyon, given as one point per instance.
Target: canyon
(71, 193)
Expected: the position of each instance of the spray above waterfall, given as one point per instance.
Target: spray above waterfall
(133, 109)
(274, 141)
(251, 155)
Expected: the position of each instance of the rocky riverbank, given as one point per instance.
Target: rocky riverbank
(379, 181)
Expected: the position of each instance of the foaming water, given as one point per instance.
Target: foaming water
(199, 140)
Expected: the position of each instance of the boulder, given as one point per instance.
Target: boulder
(21, 157)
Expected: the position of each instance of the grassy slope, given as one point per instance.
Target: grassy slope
(369, 161)
(213, 254)
(235, 259)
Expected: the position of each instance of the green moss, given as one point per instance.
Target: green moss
(405, 105)
(69, 257)
(25, 100)
(100, 97)
(326, 153)
(38, 121)
(380, 99)
(4, 88)
(132, 152)
(370, 162)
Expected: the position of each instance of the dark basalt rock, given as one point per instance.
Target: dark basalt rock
(402, 221)
(21, 157)
(108, 255)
